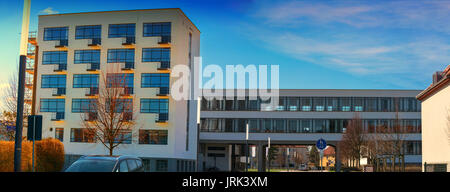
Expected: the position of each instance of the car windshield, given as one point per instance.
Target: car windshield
(92, 165)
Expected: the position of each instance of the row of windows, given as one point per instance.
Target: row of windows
(148, 80)
(115, 30)
(114, 56)
(303, 125)
(88, 105)
(357, 104)
(82, 135)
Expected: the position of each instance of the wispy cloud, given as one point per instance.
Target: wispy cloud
(48, 10)
(403, 40)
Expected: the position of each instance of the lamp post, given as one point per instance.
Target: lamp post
(21, 86)
(268, 154)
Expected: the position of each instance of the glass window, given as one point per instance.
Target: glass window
(306, 126)
(320, 126)
(332, 104)
(385, 104)
(81, 135)
(371, 104)
(155, 137)
(88, 32)
(279, 126)
(358, 104)
(120, 55)
(59, 134)
(319, 104)
(267, 125)
(155, 80)
(85, 80)
(87, 56)
(292, 126)
(229, 125)
(345, 103)
(154, 106)
(281, 104)
(56, 33)
(83, 105)
(131, 164)
(155, 54)
(253, 126)
(116, 80)
(52, 105)
(121, 30)
(120, 105)
(305, 103)
(241, 125)
(54, 57)
(157, 29)
(123, 167)
(53, 81)
(161, 165)
(253, 105)
(292, 103)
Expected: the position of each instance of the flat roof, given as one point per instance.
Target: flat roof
(114, 11)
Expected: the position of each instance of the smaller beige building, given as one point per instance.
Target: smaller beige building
(436, 123)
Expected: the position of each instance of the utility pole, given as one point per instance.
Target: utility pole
(21, 86)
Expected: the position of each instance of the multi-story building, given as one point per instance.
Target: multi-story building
(79, 51)
(301, 118)
(436, 123)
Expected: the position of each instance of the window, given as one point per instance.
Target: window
(121, 30)
(358, 104)
(120, 55)
(123, 167)
(306, 126)
(319, 104)
(124, 137)
(132, 166)
(155, 54)
(332, 104)
(83, 105)
(120, 105)
(117, 80)
(155, 137)
(305, 103)
(52, 105)
(155, 80)
(279, 125)
(53, 81)
(157, 29)
(81, 135)
(85, 80)
(253, 126)
(371, 104)
(154, 106)
(292, 103)
(87, 56)
(346, 104)
(161, 165)
(320, 126)
(292, 126)
(385, 104)
(55, 33)
(54, 57)
(88, 32)
(59, 134)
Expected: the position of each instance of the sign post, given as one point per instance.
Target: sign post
(34, 132)
(321, 144)
(246, 148)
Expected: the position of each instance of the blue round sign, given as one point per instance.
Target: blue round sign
(321, 144)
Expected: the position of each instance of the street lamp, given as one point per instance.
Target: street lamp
(246, 147)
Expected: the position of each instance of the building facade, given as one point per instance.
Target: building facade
(80, 52)
(436, 123)
(301, 118)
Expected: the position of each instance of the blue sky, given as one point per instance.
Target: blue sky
(317, 44)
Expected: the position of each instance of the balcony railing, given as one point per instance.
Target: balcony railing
(128, 66)
(59, 91)
(129, 41)
(94, 42)
(91, 91)
(62, 43)
(60, 67)
(165, 39)
(164, 65)
(57, 116)
(93, 66)
(162, 117)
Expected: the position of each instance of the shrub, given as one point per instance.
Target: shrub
(49, 155)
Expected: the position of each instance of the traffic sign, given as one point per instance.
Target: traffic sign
(321, 144)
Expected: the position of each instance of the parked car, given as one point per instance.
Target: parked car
(303, 167)
(102, 163)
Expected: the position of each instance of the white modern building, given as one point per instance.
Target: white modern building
(301, 118)
(76, 50)
(436, 123)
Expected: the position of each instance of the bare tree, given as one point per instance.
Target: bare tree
(352, 141)
(109, 118)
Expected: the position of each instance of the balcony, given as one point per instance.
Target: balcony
(59, 91)
(90, 116)
(127, 66)
(92, 91)
(129, 41)
(162, 118)
(164, 65)
(94, 42)
(127, 91)
(57, 116)
(62, 43)
(163, 91)
(93, 66)
(127, 116)
(165, 40)
(60, 67)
